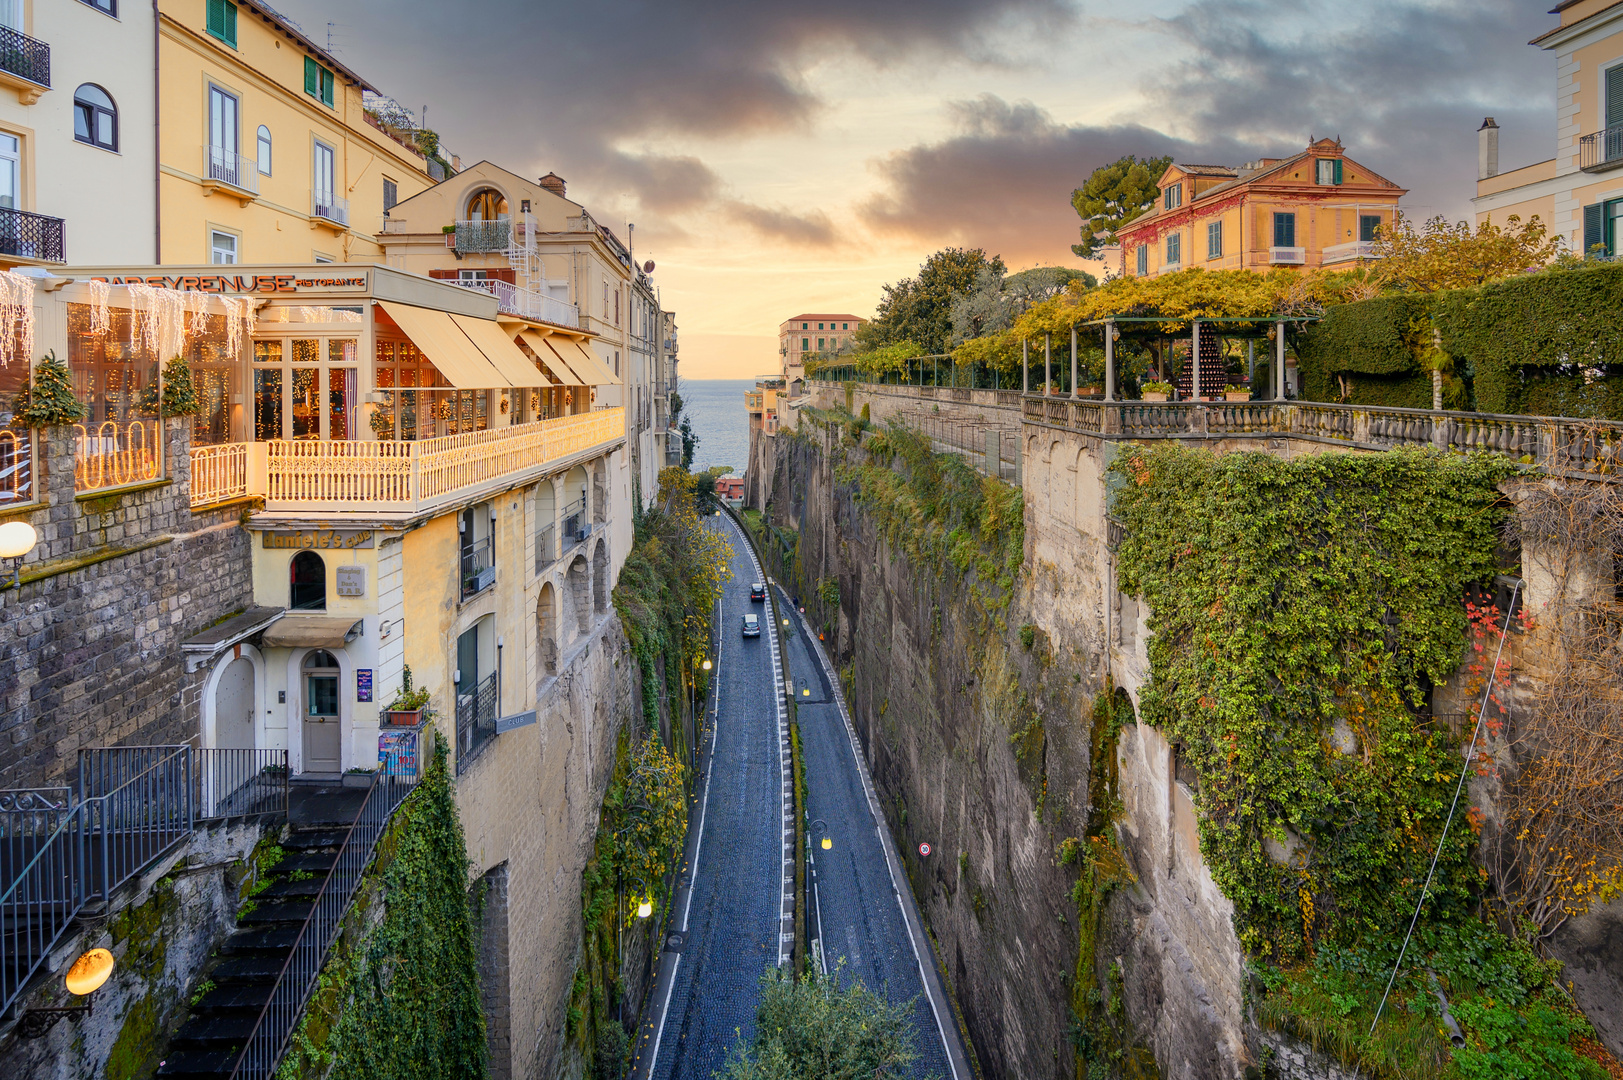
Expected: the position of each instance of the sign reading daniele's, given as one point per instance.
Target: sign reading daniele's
(353, 280)
(320, 538)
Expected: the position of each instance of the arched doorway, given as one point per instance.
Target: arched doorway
(600, 578)
(546, 629)
(307, 582)
(323, 741)
(234, 706)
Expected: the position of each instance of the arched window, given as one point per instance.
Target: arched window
(95, 117)
(264, 150)
(308, 582)
(487, 204)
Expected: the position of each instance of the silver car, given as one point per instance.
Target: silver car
(752, 625)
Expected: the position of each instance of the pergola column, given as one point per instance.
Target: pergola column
(1194, 328)
(1075, 389)
(1025, 367)
(1048, 361)
(1279, 360)
(1110, 359)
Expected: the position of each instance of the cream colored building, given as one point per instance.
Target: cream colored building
(805, 336)
(1578, 193)
(76, 132)
(269, 152)
(546, 259)
(1315, 208)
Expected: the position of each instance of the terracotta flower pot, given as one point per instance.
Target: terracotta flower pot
(403, 717)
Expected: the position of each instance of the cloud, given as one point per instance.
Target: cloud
(808, 230)
(1003, 180)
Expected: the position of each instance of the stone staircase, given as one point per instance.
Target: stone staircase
(251, 960)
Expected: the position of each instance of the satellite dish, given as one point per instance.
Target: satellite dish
(648, 267)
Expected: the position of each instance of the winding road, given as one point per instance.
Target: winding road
(733, 910)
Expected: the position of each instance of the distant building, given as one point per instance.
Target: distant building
(1572, 193)
(1317, 208)
(805, 336)
(762, 404)
(730, 490)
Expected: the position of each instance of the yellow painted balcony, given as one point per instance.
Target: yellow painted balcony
(394, 479)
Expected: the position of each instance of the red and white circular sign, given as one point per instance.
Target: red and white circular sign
(924, 849)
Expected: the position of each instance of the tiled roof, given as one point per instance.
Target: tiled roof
(1207, 170)
(825, 318)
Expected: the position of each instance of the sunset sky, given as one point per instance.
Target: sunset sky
(780, 156)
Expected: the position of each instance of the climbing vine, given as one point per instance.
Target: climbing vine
(1303, 610)
(400, 1000)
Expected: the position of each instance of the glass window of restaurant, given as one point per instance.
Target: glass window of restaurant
(115, 375)
(16, 440)
(306, 373)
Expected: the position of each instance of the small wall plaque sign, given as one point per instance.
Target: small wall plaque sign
(363, 684)
(351, 581)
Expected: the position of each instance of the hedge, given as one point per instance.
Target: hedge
(1549, 343)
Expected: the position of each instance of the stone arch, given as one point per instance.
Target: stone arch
(546, 629)
(578, 590)
(574, 504)
(600, 578)
(546, 524)
(234, 702)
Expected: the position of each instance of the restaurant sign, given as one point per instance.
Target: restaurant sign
(320, 538)
(344, 281)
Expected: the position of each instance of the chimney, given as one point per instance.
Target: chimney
(553, 183)
(1487, 149)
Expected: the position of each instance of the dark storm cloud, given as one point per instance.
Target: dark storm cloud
(1404, 86)
(570, 84)
(1003, 181)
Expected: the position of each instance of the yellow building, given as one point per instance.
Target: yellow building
(1317, 208)
(267, 151)
(1579, 192)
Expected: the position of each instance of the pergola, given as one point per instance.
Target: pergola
(1110, 322)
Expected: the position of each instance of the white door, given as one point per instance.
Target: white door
(322, 182)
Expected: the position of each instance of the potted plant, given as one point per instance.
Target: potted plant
(410, 706)
(358, 777)
(1155, 390)
(1236, 393)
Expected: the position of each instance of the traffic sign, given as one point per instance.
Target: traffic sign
(924, 849)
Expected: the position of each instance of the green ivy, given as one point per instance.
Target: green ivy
(1293, 598)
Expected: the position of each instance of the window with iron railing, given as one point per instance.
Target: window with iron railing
(475, 719)
(24, 56)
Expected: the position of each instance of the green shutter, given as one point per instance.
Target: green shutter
(1614, 95)
(312, 77)
(326, 86)
(221, 21)
(1338, 171)
(1593, 225)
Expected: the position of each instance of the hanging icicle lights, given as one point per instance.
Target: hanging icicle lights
(163, 318)
(101, 315)
(16, 318)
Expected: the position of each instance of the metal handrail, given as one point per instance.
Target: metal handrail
(79, 861)
(279, 1015)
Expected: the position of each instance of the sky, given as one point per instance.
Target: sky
(784, 156)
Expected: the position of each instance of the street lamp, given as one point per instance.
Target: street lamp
(84, 978)
(17, 539)
(826, 844)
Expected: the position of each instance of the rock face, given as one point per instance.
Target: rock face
(973, 707)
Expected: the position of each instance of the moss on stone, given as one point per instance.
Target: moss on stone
(135, 1053)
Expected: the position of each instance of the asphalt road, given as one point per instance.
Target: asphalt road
(733, 907)
(859, 915)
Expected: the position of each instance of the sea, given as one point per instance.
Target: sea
(716, 409)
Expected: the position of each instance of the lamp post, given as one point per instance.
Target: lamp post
(84, 978)
(17, 539)
(645, 908)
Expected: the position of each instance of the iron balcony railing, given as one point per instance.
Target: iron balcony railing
(229, 167)
(525, 303)
(329, 207)
(33, 236)
(478, 568)
(268, 1040)
(1602, 150)
(26, 57)
(475, 720)
(474, 237)
(546, 547)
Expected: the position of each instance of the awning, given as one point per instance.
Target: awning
(549, 358)
(451, 351)
(313, 631)
(499, 349)
(580, 355)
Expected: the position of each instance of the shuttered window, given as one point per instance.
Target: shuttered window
(1367, 226)
(318, 81)
(1214, 240)
(1614, 95)
(1594, 224)
(1284, 230)
(1174, 249)
(222, 21)
(1143, 259)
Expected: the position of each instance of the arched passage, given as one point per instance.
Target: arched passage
(546, 629)
(600, 491)
(546, 525)
(580, 601)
